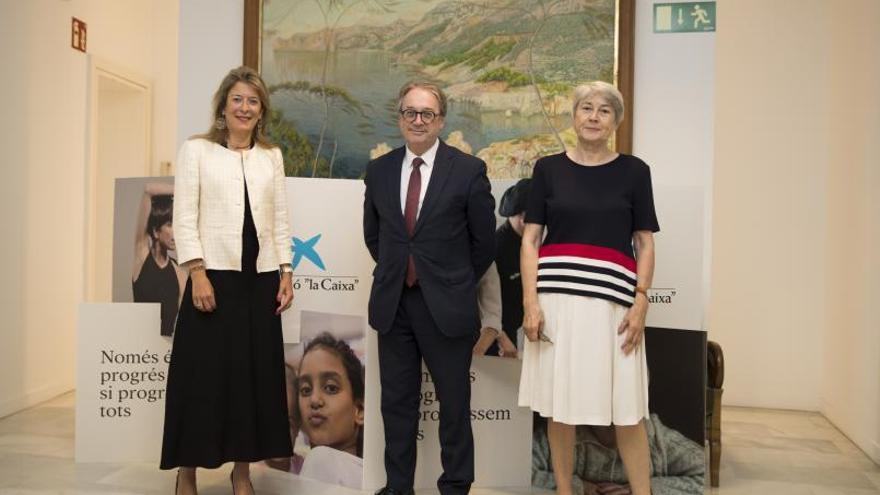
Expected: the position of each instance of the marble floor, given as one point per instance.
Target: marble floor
(765, 452)
(791, 453)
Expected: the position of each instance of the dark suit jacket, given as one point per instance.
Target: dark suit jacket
(453, 243)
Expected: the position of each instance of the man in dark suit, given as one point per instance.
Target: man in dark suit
(429, 223)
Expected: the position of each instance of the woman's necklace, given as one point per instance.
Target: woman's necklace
(235, 147)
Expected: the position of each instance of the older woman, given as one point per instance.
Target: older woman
(585, 289)
(226, 384)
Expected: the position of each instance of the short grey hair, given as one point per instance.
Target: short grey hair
(430, 87)
(606, 91)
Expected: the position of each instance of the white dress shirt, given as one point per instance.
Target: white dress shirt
(406, 171)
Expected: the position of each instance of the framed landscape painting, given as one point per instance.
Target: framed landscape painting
(508, 67)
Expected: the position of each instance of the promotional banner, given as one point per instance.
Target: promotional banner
(500, 426)
(676, 294)
(330, 258)
(122, 366)
(144, 258)
(332, 278)
(331, 266)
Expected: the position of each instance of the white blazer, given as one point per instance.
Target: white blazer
(209, 205)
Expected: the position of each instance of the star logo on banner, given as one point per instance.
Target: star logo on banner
(306, 249)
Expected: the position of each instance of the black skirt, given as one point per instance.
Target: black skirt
(226, 395)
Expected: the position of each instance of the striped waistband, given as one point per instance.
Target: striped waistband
(587, 270)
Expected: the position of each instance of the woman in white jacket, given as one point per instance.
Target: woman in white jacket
(226, 399)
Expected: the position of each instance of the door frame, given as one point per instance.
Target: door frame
(99, 68)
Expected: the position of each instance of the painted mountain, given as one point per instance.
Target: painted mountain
(507, 65)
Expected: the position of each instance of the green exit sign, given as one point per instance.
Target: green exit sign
(687, 17)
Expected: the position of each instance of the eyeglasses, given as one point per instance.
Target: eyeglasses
(410, 115)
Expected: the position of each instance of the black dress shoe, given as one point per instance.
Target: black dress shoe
(394, 491)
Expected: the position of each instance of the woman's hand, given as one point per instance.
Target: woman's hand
(533, 321)
(202, 291)
(285, 292)
(487, 336)
(506, 348)
(633, 324)
(533, 317)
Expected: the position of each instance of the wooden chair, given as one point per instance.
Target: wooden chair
(714, 388)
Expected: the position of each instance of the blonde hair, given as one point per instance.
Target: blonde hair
(251, 78)
(606, 91)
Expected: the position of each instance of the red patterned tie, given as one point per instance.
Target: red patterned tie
(410, 212)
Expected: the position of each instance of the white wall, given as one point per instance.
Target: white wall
(211, 43)
(13, 201)
(44, 171)
(767, 302)
(139, 37)
(794, 274)
(165, 77)
(850, 386)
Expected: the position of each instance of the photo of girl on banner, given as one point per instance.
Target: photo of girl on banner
(326, 400)
(156, 276)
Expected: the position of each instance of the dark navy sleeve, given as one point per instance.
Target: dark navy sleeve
(644, 216)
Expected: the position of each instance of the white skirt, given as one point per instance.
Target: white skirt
(583, 377)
